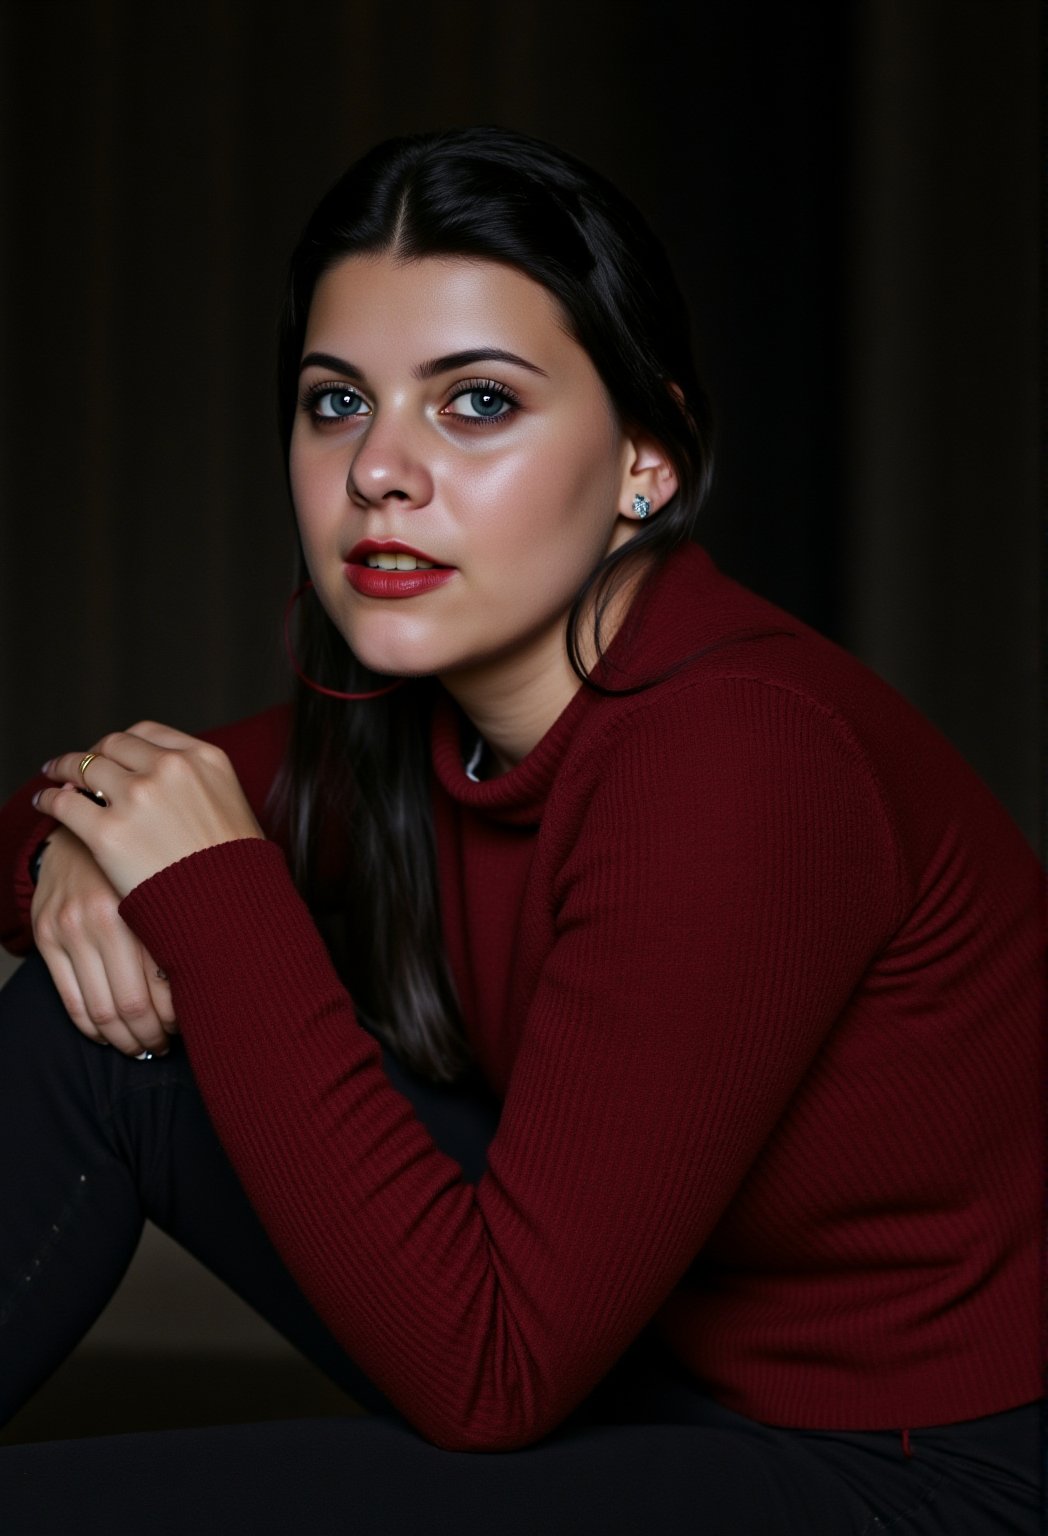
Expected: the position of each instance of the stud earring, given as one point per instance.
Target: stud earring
(641, 505)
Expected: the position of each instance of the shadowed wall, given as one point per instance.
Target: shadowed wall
(850, 196)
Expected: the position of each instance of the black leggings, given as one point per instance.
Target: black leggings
(92, 1143)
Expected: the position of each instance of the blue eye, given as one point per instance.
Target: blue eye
(336, 404)
(485, 402)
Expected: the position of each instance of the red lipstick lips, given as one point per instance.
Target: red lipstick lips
(370, 581)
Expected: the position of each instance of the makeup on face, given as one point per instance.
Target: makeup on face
(457, 470)
(389, 568)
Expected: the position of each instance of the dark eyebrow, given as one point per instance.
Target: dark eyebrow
(426, 370)
(328, 360)
(477, 355)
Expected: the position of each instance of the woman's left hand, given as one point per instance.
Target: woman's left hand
(167, 795)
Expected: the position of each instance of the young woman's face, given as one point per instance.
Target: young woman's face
(446, 416)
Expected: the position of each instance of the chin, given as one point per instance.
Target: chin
(398, 656)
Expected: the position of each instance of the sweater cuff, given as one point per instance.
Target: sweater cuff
(232, 907)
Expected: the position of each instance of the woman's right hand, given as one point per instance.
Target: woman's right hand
(112, 989)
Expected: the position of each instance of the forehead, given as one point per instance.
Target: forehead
(435, 305)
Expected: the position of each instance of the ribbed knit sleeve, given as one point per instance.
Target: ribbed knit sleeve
(710, 901)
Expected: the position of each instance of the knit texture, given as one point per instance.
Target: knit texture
(753, 960)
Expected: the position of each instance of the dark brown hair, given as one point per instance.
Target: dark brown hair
(357, 775)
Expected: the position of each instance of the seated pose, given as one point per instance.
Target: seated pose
(607, 1014)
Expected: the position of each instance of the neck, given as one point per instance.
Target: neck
(513, 700)
(532, 690)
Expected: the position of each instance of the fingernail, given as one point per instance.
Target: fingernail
(36, 797)
(47, 766)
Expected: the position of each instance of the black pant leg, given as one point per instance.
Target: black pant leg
(371, 1477)
(92, 1143)
(70, 1215)
(374, 1477)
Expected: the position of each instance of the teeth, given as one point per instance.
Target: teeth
(388, 561)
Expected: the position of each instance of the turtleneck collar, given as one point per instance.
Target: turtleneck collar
(658, 629)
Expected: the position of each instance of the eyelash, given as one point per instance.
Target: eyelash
(312, 396)
(485, 387)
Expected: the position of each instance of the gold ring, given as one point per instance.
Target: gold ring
(87, 758)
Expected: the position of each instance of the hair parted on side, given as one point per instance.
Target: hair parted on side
(360, 772)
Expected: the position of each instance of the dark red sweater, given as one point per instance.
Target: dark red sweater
(752, 958)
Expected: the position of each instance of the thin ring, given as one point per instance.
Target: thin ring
(85, 762)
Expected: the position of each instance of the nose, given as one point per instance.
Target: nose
(389, 465)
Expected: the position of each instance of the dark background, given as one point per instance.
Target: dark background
(850, 195)
(850, 190)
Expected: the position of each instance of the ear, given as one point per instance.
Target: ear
(647, 472)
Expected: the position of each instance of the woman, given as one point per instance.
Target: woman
(743, 952)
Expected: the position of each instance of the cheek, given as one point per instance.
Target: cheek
(310, 492)
(566, 498)
(561, 446)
